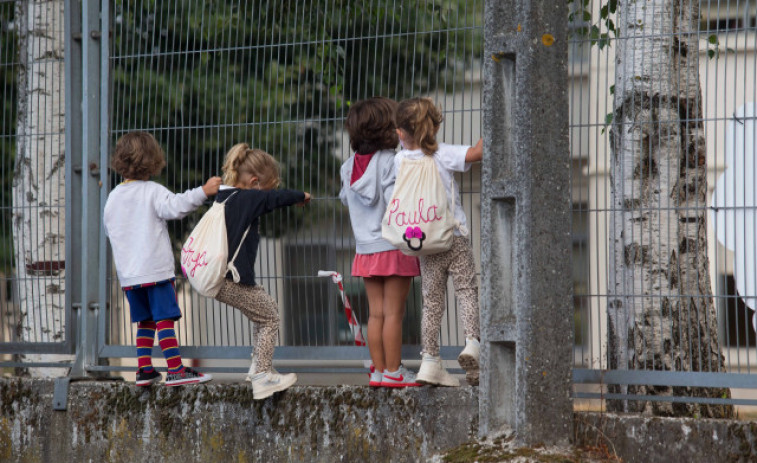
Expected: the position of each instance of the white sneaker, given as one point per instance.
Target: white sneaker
(253, 367)
(267, 383)
(376, 377)
(400, 378)
(468, 360)
(251, 371)
(432, 372)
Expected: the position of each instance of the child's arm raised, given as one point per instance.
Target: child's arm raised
(211, 186)
(171, 206)
(275, 199)
(307, 200)
(475, 153)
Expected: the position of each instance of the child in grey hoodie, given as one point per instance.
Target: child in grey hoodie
(367, 184)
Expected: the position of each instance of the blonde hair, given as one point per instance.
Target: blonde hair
(421, 119)
(241, 159)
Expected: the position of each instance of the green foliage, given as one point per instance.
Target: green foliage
(713, 47)
(8, 112)
(202, 75)
(279, 75)
(600, 32)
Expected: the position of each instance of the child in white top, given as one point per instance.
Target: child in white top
(135, 218)
(418, 121)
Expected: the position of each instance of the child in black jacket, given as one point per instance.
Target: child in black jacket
(250, 177)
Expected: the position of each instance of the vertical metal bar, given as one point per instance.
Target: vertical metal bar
(72, 54)
(90, 190)
(103, 181)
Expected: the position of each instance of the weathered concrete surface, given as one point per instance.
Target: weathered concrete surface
(119, 422)
(637, 438)
(526, 285)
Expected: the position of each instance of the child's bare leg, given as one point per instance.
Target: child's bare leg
(374, 289)
(396, 289)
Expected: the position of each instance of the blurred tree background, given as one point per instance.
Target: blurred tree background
(280, 75)
(9, 68)
(202, 75)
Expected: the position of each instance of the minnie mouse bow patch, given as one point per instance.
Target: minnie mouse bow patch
(413, 232)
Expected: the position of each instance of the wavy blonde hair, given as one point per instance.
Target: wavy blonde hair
(241, 159)
(421, 119)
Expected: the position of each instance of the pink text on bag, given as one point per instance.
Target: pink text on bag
(191, 259)
(419, 215)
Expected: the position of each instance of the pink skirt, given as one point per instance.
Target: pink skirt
(385, 264)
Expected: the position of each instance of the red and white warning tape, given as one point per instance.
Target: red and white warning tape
(351, 319)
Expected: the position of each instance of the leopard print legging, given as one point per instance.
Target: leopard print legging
(435, 269)
(262, 310)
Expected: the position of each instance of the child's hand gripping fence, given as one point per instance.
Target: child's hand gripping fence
(354, 324)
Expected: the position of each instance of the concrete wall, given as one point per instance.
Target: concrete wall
(119, 422)
(646, 439)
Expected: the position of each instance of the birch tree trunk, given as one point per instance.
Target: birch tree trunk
(662, 315)
(39, 176)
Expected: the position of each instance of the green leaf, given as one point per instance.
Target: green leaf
(608, 118)
(594, 34)
(612, 89)
(713, 39)
(710, 53)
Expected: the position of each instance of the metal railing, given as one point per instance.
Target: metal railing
(718, 319)
(280, 76)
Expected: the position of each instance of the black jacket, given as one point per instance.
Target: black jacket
(245, 208)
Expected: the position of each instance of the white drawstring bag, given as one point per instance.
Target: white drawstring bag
(419, 219)
(205, 253)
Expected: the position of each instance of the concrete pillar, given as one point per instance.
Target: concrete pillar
(527, 313)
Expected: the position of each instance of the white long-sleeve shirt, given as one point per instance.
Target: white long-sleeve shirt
(135, 221)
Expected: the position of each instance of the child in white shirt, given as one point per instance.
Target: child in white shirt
(418, 121)
(135, 221)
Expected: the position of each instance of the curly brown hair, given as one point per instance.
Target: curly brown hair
(370, 124)
(421, 119)
(138, 156)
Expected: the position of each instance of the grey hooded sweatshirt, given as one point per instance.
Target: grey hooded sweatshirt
(367, 199)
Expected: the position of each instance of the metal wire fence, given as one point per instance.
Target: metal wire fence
(663, 243)
(202, 76)
(33, 313)
(280, 76)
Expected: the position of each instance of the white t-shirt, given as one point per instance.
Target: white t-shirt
(449, 159)
(135, 221)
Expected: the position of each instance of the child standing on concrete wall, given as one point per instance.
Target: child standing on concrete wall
(367, 183)
(250, 177)
(135, 221)
(418, 121)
